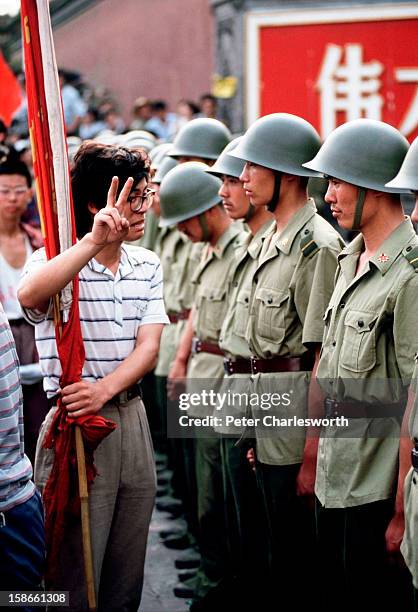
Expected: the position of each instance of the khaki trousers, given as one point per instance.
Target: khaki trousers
(121, 503)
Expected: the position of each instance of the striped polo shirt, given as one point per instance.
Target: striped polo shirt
(15, 468)
(112, 309)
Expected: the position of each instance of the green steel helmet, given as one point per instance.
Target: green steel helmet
(281, 142)
(158, 153)
(203, 138)
(364, 152)
(138, 138)
(407, 177)
(226, 164)
(167, 164)
(187, 191)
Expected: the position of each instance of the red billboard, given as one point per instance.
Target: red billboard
(331, 66)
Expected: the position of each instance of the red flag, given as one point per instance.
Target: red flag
(52, 181)
(10, 94)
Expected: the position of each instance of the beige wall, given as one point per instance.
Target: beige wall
(156, 48)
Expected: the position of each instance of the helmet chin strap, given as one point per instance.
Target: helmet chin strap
(271, 206)
(250, 213)
(359, 208)
(204, 227)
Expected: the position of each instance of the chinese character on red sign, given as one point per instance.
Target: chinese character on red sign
(333, 72)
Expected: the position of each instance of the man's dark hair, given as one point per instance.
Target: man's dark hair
(11, 164)
(158, 105)
(208, 96)
(91, 174)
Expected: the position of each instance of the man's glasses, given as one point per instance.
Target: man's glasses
(8, 191)
(136, 202)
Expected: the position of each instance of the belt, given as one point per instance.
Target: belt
(254, 365)
(198, 346)
(120, 398)
(175, 317)
(359, 410)
(414, 457)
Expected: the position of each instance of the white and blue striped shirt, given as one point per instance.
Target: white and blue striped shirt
(15, 468)
(112, 309)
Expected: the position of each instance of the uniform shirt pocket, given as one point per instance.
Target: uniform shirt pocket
(271, 306)
(210, 311)
(241, 313)
(358, 350)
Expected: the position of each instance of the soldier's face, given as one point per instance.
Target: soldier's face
(258, 183)
(414, 214)
(234, 198)
(186, 158)
(155, 206)
(342, 198)
(191, 228)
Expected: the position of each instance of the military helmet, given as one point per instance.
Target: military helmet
(158, 153)
(407, 177)
(226, 164)
(364, 152)
(203, 138)
(167, 164)
(187, 191)
(281, 142)
(138, 138)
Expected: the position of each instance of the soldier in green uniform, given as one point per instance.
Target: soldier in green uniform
(407, 493)
(200, 140)
(244, 514)
(189, 198)
(371, 335)
(292, 283)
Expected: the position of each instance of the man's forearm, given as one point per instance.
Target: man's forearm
(39, 286)
(141, 361)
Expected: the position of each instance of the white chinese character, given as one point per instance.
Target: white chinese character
(410, 120)
(352, 88)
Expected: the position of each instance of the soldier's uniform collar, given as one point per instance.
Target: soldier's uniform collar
(285, 239)
(256, 241)
(224, 240)
(395, 244)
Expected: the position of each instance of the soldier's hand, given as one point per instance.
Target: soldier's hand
(305, 482)
(176, 382)
(394, 535)
(251, 458)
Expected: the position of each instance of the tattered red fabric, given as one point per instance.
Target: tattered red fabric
(61, 492)
(60, 496)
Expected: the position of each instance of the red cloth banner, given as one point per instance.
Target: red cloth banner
(10, 94)
(60, 495)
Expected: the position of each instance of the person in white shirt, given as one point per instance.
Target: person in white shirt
(122, 316)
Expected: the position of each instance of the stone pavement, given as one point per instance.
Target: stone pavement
(160, 573)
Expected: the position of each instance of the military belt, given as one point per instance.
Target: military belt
(254, 365)
(175, 317)
(360, 410)
(120, 398)
(199, 346)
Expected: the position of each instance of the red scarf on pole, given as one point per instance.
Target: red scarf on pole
(50, 160)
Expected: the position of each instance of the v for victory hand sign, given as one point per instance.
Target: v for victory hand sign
(109, 225)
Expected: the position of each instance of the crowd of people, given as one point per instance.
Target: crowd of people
(207, 271)
(89, 112)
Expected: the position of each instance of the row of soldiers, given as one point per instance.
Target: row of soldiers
(264, 298)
